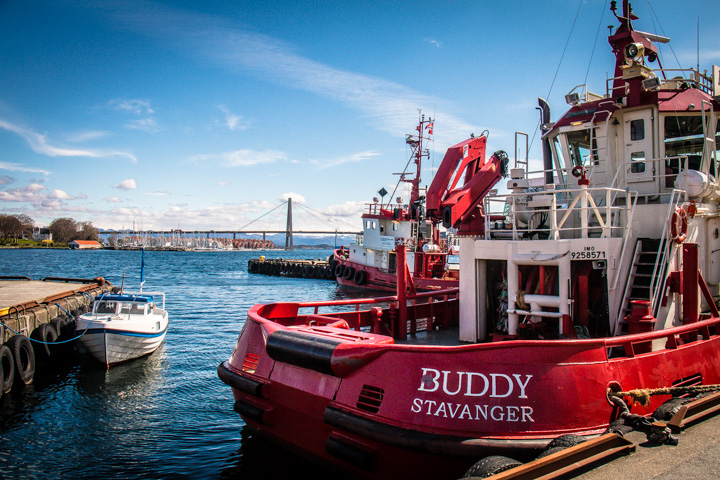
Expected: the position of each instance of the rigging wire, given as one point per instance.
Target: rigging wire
(597, 34)
(662, 30)
(577, 14)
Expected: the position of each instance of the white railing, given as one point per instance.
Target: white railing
(695, 79)
(558, 207)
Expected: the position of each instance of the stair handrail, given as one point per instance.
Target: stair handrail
(662, 262)
(626, 292)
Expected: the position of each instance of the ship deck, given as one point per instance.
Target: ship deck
(448, 336)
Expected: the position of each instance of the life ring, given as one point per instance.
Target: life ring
(348, 273)
(24, 357)
(678, 225)
(7, 369)
(360, 277)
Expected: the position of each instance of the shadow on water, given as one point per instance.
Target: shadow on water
(259, 459)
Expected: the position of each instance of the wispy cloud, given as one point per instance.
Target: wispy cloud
(135, 106)
(128, 184)
(353, 158)
(232, 121)
(433, 42)
(112, 200)
(40, 144)
(138, 108)
(389, 106)
(247, 158)
(16, 167)
(241, 158)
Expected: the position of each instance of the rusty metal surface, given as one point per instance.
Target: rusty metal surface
(556, 465)
(694, 411)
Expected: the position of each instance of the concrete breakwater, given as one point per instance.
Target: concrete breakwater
(321, 269)
(37, 323)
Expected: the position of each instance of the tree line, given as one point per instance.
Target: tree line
(63, 230)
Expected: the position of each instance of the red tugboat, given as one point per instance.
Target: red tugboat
(593, 277)
(372, 262)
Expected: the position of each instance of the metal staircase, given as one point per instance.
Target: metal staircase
(645, 274)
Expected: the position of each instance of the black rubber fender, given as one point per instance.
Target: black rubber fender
(489, 466)
(46, 334)
(24, 357)
(348, 273)
(339, 270)
(7, 369)
(360, 277)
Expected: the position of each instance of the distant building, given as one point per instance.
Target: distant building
(42, 234)
(84, 244)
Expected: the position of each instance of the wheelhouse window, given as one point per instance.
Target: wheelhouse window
(559, 159)
(684, 138)
(580, 146)
(637, 129)
(105, 307)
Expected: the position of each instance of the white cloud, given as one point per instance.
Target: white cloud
(353, 158)
(433, 42)
(112, 200)
(128, 184)
(16, 167)
(232, 121)
(296, 197)
(145, 124)
(39, 144)
(60, 195)
(223, 184)
(134, 106)
(247, 158)
(80, 137)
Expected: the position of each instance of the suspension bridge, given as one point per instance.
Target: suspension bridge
(329, 226)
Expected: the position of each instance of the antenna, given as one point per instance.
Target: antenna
(698, 45)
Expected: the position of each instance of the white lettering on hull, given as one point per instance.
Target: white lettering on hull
(474, 385)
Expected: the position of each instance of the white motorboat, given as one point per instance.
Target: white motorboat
(123, 326)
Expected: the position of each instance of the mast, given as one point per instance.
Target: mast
(418, 152)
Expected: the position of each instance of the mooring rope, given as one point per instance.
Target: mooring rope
(642, 395)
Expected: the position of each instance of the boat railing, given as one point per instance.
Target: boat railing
(634, 172)
(366, 313)
(566, 213)
(641, 343)
(684, 78)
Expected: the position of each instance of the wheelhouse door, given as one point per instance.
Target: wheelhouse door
(638, 135)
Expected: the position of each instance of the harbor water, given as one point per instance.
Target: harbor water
(166, 415)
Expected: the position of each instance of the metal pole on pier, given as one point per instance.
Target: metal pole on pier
(288, 229)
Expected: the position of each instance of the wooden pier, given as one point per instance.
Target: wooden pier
(37, 323)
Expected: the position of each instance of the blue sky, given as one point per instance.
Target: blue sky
(208, 114)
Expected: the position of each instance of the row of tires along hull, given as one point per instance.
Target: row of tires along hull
(47, 347)
(289, 268)
(324, 270)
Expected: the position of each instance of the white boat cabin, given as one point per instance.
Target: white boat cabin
(629, 178)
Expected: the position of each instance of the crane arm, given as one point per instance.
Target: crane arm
(457, 206)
